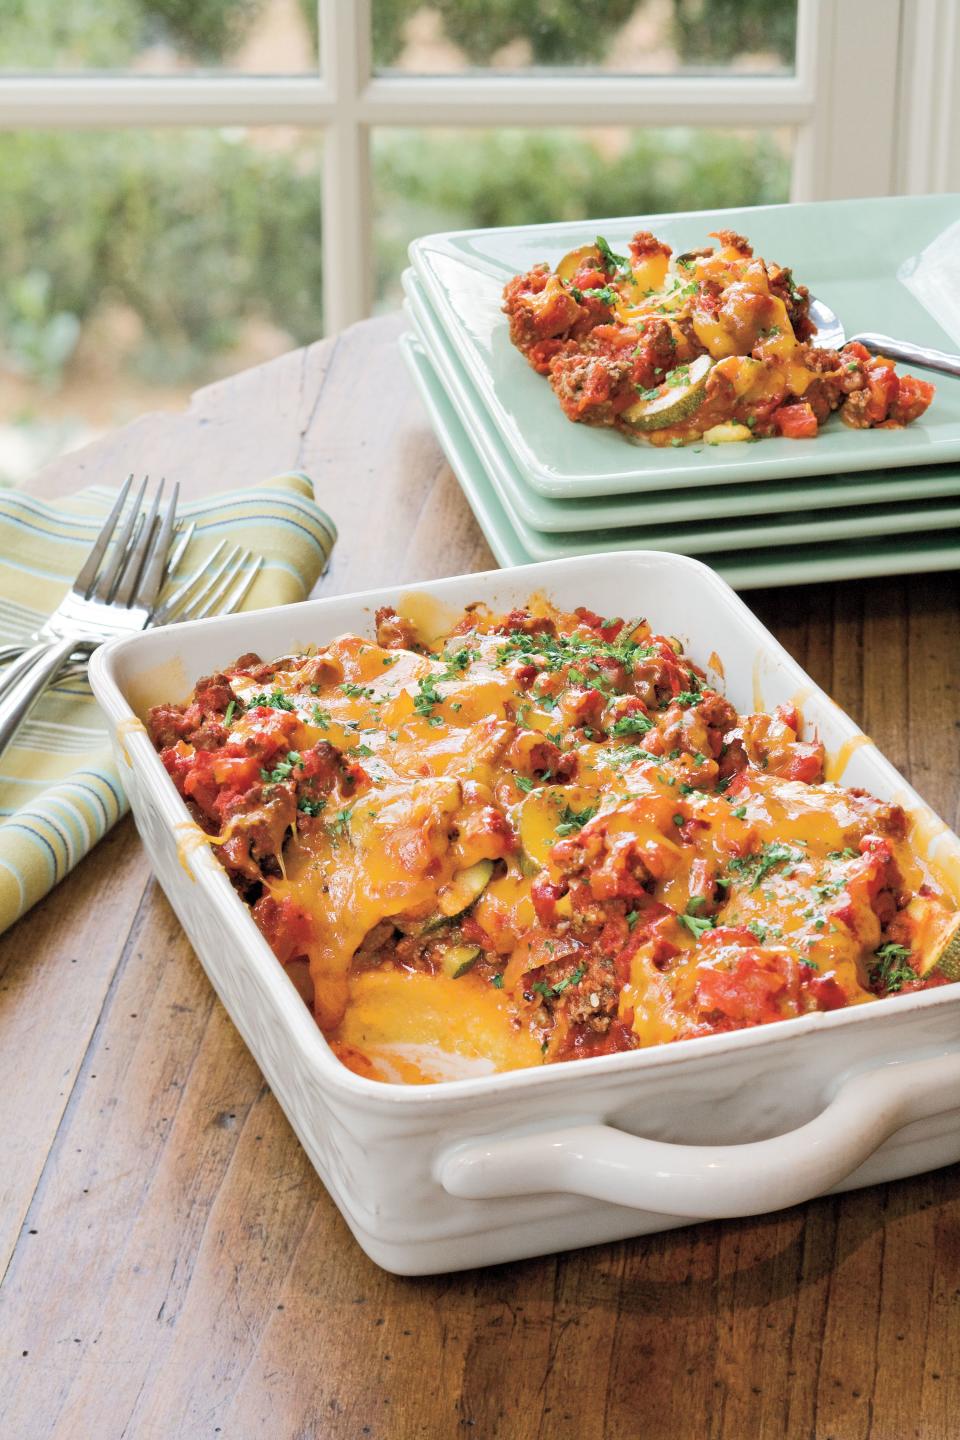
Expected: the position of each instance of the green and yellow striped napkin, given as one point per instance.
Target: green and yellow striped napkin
(60, 790)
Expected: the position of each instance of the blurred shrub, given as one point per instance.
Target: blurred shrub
(197, 232)
(38, 339)
(436, 180)
(572, 32)
(106, 34)
(712, 32)
(193, 231)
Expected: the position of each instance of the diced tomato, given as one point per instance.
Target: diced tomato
(828, 992)
(543, 352)
(883, 388)
(788, 714)
(285, 925)
(913, 398)
(745, 993)
(805, 763)
(855, 351)
(796, 421)
(235, 773)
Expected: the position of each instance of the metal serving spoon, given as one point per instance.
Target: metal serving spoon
(830, 336)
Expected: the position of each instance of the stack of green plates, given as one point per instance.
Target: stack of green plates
(849, 503)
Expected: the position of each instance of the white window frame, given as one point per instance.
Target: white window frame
(873, 101)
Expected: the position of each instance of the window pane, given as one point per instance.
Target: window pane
(159, 37)
(137, 265)
(641, 37)
(429, 180)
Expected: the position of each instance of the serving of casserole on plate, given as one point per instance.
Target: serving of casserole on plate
(636, 340)
(485, 834)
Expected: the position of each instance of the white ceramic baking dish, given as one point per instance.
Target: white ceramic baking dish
(497, 1167)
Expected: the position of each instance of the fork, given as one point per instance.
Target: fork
(217, 586)
(114, 594)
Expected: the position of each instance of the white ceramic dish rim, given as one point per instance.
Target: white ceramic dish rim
(376, 1095)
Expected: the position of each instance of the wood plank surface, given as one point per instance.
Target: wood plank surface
(171, 1264)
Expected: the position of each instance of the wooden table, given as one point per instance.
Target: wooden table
(173, 1266)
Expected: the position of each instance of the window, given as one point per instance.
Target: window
(165, 166)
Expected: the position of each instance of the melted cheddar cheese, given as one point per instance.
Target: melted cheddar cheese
(545, 836)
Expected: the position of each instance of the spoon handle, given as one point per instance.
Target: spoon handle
(922, 355)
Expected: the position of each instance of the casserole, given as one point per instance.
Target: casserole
(480, 1170)
(717, 345)
(889, 258)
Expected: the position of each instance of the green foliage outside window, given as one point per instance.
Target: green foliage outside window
(198, 232)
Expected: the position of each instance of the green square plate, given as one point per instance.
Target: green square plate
(801, 500)
(889, 264)
(802, 564)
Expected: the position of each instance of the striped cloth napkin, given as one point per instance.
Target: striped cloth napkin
(60, 790)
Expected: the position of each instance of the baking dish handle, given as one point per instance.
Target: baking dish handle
(710, 1182)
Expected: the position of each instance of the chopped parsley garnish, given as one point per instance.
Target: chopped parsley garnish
(228, 715)
(740, 812)
(283, 768)
(276, 700)
(311, 805)
(550, 992)
(759, 930)
(320, 718)
(635, 723)
(632, 917)
(363, 750)
(752, 869)
(556, 651)
(626, 754)
(893, 970)
(679, 820)
(426, 697)
(571, 820)
(697, 924)
(524, 783)
(606, 295)
(679, 376)
(688, 697)
(611, 260)
(497, 980)
(340, 824)
(355, 692)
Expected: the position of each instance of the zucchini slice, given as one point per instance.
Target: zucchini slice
(573, 260)
(465, 887)
(458, 960)
(670, 404)
(943, 953)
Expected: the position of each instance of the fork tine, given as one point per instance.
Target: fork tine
(210, 597)
(129, 584)
(231, 562)
(237, 596)
(171, 605)
(151, 576)
(84, 581)
(108, 579)
(180, 549)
